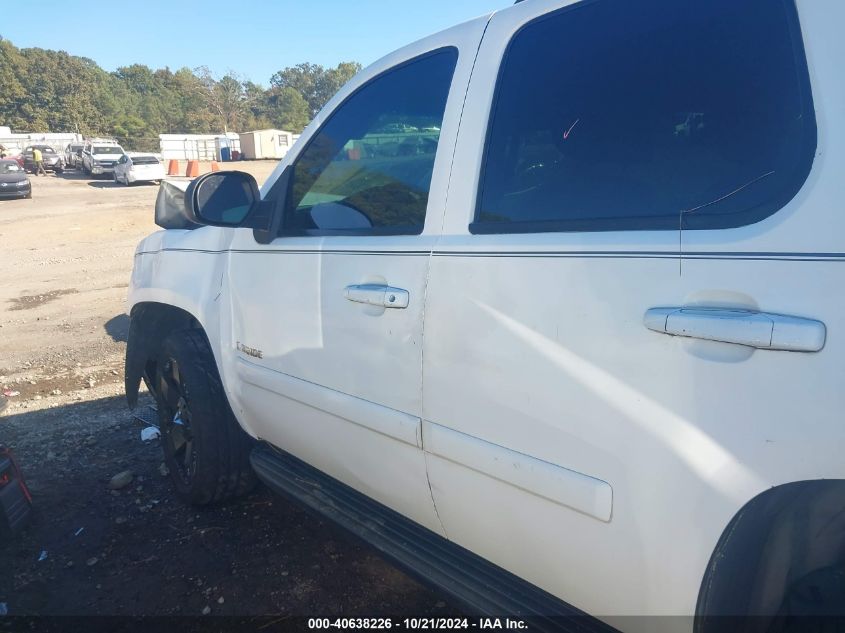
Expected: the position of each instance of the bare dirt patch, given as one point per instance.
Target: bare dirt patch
(28, 302)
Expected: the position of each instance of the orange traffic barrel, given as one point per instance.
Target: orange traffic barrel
(193, 169)
(173, 167)
(215, 166)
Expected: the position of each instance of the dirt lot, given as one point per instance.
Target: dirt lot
(65, 262)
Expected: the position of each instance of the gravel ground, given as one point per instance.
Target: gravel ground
(90, 550)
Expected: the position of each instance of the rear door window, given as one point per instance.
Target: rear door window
(655, 114)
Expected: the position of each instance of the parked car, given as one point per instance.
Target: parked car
(13, 154)
(99, 156)
(13, 180)
(50, 157)
(137, 167)
(73, 155)
(574, 360)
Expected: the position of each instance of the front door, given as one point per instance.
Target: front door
(327, 319)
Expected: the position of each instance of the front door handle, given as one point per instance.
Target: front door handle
(762, 330)
(377, 295)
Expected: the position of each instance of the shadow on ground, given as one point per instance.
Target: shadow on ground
(104, 184)
(118, 328)
(77, 174)
(140, 551)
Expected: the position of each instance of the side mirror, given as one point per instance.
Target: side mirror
(222, 198)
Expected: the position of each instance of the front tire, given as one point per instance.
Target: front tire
(205, 450)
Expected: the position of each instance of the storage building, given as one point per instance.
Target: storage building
(266, 143)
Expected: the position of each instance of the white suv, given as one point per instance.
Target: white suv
(545, 306)
(99, 156)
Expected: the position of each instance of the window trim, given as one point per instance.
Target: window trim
(375, 231)
(746, 217)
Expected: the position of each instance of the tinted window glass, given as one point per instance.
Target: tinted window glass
(368, 170)
(615, 115)
(145, 160)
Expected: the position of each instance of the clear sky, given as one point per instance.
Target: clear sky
(253, 37)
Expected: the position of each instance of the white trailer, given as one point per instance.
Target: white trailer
(266, 143)
(17, 142)
(197, 146)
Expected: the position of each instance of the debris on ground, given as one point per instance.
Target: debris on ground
(92, 561)
(148, 416)
(79, 531)
(43, 555)
(150, 433)
(11, 394)
(121, 480)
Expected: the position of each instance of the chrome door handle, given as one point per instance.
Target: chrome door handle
(377, 295)
(762, 330)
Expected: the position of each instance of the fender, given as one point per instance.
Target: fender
(775, 542)
(149, 324)
(176, 283)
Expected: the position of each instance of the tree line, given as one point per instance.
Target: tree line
(52, 91)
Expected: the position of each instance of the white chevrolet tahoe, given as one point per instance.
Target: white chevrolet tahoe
(547, 307)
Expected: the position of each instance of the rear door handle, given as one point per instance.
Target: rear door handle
(762, 330)
(377, 295)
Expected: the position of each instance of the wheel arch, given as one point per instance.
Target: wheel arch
(776, 539)
(149, 324)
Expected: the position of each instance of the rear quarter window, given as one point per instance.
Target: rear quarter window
(655, 114)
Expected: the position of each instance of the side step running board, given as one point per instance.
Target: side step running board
(481, 587)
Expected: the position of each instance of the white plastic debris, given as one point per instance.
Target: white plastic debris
(43, 555)
(150, 433)
(79, 531)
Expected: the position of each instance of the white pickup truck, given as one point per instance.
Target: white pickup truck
(546, 307)
(99, 156)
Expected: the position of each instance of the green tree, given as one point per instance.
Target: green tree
(43, 90)
(224, 97)
(12, 89)
(288, 110)
(313, 82)
(333, 80)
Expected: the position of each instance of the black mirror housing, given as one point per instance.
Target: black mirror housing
(223, 198)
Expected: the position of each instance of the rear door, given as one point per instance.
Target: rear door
(327, 319)
(616, 157)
